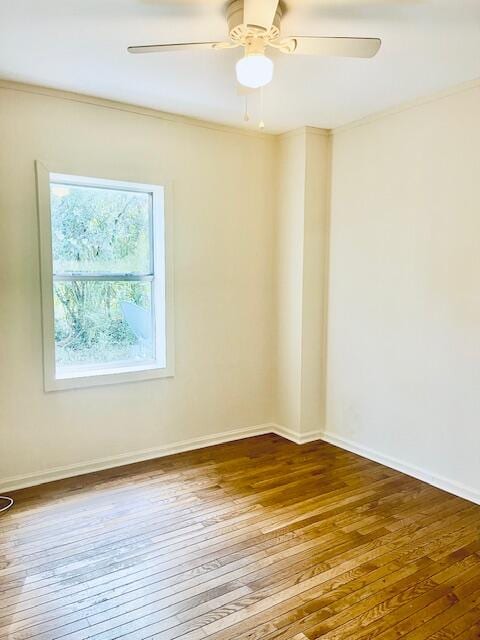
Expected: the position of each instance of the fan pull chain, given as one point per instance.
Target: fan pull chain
(261, 124)
(246, 117)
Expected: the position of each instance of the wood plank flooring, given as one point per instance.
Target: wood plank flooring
(258, 539)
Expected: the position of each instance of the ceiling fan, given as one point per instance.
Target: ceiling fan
(255, 25)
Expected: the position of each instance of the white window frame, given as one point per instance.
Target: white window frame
(162, 244)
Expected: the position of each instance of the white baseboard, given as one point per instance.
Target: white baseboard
(440, 482)
(295, 436)
(59, 473)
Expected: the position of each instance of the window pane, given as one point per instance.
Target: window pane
(103, 322)
(100, 230)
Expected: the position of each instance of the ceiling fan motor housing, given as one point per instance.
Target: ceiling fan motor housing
(242, 33)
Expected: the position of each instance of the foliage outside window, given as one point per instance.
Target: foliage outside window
(108, 277)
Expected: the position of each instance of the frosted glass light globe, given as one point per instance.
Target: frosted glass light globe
(254, 70)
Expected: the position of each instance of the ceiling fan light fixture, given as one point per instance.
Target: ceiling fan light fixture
(254, 70)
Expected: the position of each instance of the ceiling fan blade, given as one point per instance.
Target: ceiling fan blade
(181, 46)
(259, 13)
(348, 47)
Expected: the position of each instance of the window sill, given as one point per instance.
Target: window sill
(79, 379)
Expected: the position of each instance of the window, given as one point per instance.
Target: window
(106, 280)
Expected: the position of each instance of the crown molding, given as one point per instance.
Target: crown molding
(300, 131)
(407, 106)
(104, 103)
(165, 116)
(318, 131)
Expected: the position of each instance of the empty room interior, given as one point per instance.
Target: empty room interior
(240, 319)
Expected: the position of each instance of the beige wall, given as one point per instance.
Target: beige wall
(315, 280)
(290, 182)
(251, 272)
(302, 189)
(404, 306)
(223, 283)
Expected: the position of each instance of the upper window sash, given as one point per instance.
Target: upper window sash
(122, 187)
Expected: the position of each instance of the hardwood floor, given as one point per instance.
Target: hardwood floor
(257, 539)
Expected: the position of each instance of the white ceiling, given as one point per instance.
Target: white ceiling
(80, 45)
